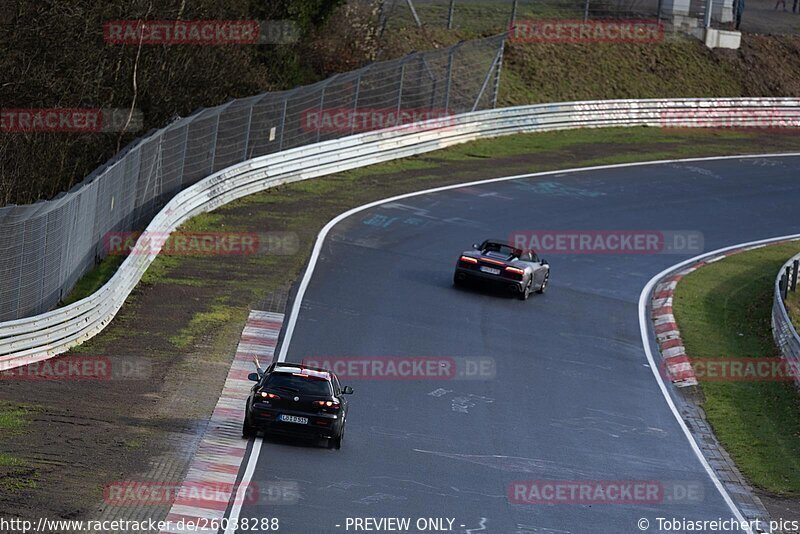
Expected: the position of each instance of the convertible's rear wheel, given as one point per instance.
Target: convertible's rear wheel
(544, 282)
(527, 291)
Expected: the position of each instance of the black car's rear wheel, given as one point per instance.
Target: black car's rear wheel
(336, 443)
(247, 430)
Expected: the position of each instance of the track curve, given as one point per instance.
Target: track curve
(573, 397)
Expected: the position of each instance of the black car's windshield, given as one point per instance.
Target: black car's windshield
(305, 385)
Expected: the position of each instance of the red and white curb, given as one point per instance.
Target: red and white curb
(209, 482)
(675, 360)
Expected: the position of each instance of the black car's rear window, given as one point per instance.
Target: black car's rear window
(307, 385)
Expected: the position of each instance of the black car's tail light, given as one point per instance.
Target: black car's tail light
(467, 259)
(326, 406)
(268, 395)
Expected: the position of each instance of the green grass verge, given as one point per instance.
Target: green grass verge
(723, 311)
(15, 473)
(205, 322)
(94, 279)
(12, 418)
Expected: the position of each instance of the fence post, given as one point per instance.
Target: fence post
(247, 133)
(213, 143)
(414, 13)
(513, 13)
(782, 286)
(355, 104)
(707, 15)
(497, 74)
(496, 60)
(19, 279)
(321, 107)
(586, 11)
(185, 146)
(795, 265)
(400, 92)
(788, 276)
(450, 14)
(283, 121)
(448, 81)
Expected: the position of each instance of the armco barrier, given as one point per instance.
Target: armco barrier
(35, 338)
(783, 330)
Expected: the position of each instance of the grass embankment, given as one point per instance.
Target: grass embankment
(723, 311)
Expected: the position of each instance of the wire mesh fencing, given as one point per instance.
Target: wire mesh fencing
(687, 16)
(47, 246)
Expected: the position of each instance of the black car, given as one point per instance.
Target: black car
(297, 400)
(502, 265)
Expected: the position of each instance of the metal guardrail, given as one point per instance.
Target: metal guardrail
(31, 339)
(783, 330)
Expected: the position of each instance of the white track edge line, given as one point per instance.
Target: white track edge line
(312, 262)
(244, 485)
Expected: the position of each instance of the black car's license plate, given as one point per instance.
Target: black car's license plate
(293, 419)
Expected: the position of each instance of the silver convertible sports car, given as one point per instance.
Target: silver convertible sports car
(495, 262)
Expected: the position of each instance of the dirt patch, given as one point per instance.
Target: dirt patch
(77, 436)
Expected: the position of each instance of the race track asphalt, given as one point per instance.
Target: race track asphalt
(572, 397)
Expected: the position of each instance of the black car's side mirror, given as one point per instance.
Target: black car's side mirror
(254, 377)
(347, 390)
(476, 246)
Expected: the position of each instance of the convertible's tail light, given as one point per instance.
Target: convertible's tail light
(515, 270)
(467, 259)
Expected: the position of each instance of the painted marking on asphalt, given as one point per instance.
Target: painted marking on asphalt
(219, 456)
